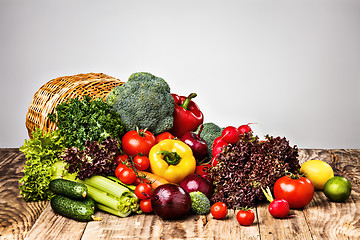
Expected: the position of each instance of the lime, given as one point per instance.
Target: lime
(337, 189)
(318, 172)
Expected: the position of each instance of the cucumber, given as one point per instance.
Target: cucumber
(74, 209)
(68, 188)
(88, 201)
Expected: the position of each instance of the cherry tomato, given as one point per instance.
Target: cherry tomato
(127, 176)
(163, 136)
(298, 192)
(145, 205)
(120, 167)
(141, 162)
(279, 208)
(143, 191)
(245, 217)
(138, 142)
(219, 210)
(230, 134)
(120, 158)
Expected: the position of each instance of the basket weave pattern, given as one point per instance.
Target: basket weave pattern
(45, 100)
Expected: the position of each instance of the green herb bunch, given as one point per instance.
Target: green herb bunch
(86, 119)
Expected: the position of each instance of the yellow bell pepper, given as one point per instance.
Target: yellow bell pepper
(172, 160)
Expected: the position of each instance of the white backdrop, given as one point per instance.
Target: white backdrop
(293, 67)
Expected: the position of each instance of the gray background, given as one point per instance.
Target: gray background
(293, 67)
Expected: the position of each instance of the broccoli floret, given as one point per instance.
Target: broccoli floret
(209, 133)
(144, 101)
(200, 204)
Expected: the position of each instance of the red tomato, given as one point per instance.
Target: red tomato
(143, 188)
(127, 176)
(297, 192)
(138, 142)
(219, 210)
(141, 162)
(245, 217)
(230, 134)
(120, 158)
(145, 205)
(163, 136)
(120, 167)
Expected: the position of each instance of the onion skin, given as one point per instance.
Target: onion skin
(195, 182)
(170, 201)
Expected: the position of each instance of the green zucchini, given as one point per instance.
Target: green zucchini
(68, 188)
(74, 209)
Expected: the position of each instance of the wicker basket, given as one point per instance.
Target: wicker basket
(59, 89)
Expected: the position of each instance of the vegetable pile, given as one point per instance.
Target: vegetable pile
(147, 150)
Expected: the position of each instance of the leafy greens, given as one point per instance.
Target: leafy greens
(86, 119)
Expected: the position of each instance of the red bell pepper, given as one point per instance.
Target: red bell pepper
(187, 115)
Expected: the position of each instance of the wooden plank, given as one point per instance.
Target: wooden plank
(16, 216)
(150, 226)
(294, 227)
(329, 220)
(53, 226)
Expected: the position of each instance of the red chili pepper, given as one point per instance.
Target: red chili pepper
(187, 115)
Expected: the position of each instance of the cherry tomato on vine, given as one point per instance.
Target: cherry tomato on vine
(120, 167)
(141, 162)
(219, 210)
(143, 188)
(138, 142)
(127, 176)
(121, 158)
(298, 191)
(145, 205)
(163, 136)
(245, 217)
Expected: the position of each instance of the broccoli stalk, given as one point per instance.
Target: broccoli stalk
(144, 101)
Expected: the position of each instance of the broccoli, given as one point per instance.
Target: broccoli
(209, 133)
(200, 204)
(144, 101)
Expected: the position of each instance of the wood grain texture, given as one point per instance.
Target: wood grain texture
(16, 216)
(272, 228)
(321, 219)
(50, 225)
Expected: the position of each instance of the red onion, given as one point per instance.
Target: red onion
(195, 182)
(170, 201)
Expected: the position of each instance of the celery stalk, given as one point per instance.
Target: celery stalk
(113, 211)
(106, 185)
(102, 197)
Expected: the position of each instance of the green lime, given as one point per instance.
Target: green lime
(337, 189)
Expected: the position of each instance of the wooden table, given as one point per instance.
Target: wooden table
(321, 219)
